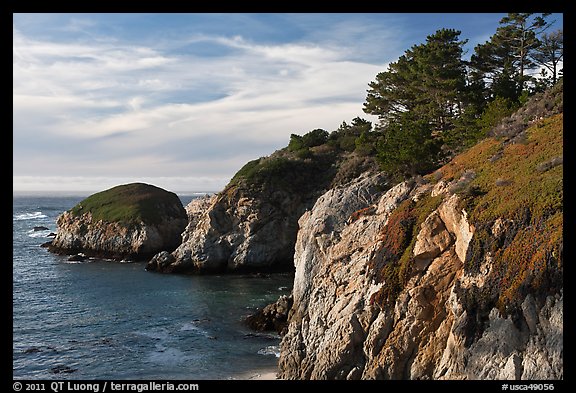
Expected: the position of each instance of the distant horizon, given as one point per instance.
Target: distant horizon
(89, 186)
(88, 193)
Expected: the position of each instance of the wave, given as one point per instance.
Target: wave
(28, 216)
(87, 260)
(33, 233)
(270, 350)
(191, 326)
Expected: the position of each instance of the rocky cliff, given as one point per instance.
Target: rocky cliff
(132, 221)
(252, 224)
(454, 275)
(457, 275)
(238, 232)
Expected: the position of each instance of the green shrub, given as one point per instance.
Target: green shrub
(315, 137)
(247, 171)
(365, 144)
(407, 148)
(495, 111)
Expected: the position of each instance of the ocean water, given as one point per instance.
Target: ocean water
(99, 319)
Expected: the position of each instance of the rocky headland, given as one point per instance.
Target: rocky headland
(131, 221)
(454, 275)
(252, 224)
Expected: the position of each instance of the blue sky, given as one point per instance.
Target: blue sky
(182, 101)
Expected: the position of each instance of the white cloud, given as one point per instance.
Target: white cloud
(121, 102)
(78, 25)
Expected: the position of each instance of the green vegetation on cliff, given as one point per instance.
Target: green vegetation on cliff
(519, 187)
(431, 104)
(511, 187)
(309, 164)
(398, 238)
(131, 203)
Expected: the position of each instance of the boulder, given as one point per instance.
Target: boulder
(77, 257)
(273, 317)
(432, 240)
(160, 261)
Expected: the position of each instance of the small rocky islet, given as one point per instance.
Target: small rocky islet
(127, 222)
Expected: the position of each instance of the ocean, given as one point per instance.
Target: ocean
(100, 319)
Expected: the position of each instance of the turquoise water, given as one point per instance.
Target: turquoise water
(106, 320)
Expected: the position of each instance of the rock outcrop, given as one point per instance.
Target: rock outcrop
(251, 226)
(237, 232)
(132, 221)
(196, 208)
(347, 322)
(457, 275)
(273, 317)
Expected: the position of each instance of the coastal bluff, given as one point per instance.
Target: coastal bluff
(251, 226)
(454, 275)
(127, 222)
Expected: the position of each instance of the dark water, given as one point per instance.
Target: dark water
(106, 320)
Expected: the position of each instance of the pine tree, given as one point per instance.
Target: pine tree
(550, 52)
(508, 54)
(418, 101)
(407, 147)
(428, 81)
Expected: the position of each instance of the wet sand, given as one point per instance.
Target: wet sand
(258, 375)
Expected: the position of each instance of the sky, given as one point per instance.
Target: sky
(182, 101)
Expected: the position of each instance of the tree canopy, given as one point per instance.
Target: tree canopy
(550, 52)
(431, 103)
(428, 81)
(505, 59)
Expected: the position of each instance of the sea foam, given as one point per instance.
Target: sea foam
(33, 233)
(270, 350)
(29, 216)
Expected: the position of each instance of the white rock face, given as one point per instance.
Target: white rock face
(456, 222)
(195, 209)
(116, 240)
(432, 240)
(237, 230)
(320, 226)
(338, 331)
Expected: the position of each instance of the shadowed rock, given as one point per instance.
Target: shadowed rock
(273, 317)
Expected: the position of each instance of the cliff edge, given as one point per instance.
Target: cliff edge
(252, 224)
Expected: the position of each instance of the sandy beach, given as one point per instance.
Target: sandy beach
(258, 375)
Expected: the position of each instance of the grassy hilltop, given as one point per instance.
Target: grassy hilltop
(130, 203)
